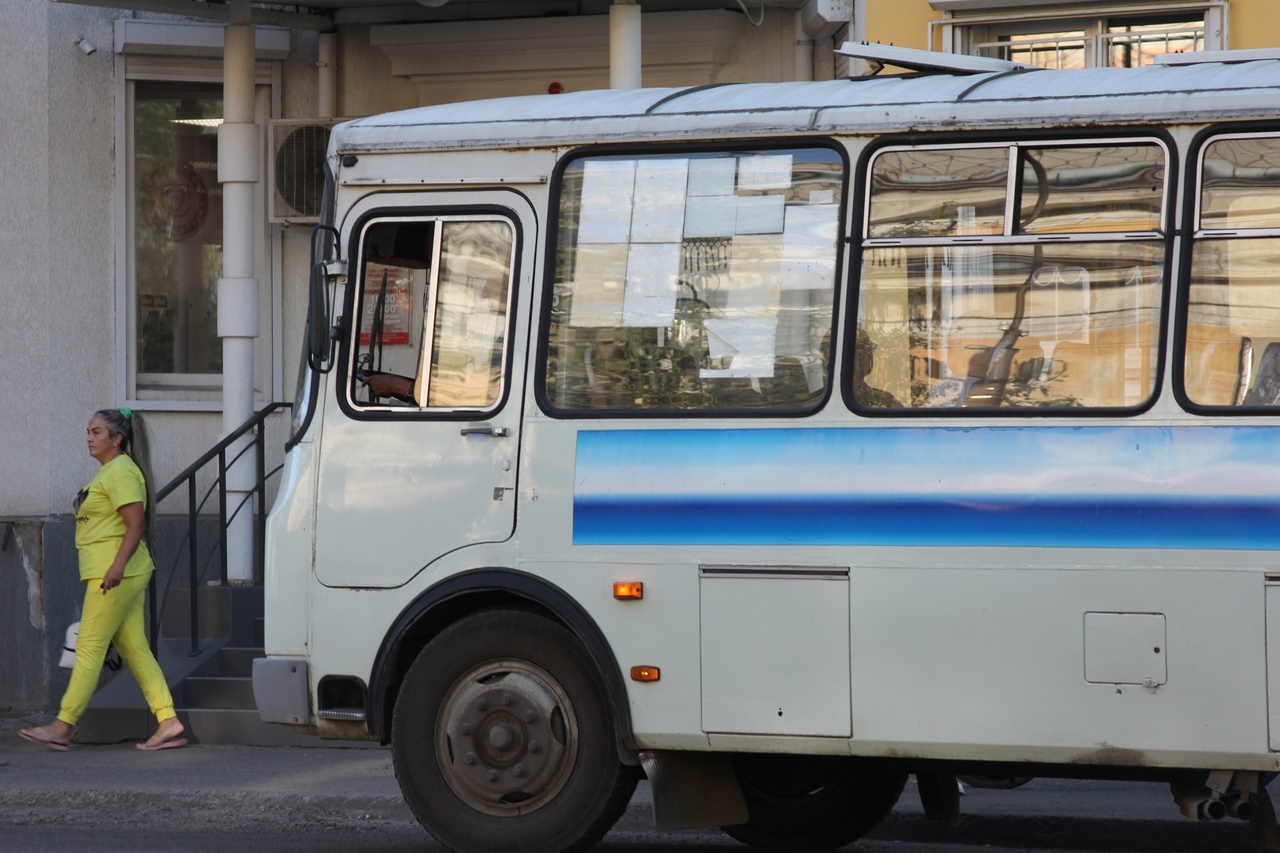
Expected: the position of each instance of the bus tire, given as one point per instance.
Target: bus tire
(798, 802)
(501, 738)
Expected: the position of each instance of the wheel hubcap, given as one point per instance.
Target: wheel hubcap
(507, 738)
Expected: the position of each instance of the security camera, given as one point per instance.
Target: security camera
(87, 47)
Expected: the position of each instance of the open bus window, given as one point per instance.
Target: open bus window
(958, 309)
(431, 312)
(695, 281)
(1233, 304)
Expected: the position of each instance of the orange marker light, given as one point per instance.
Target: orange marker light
(628, 590)
(645, 673)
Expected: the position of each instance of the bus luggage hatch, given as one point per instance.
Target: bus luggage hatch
(775, 650)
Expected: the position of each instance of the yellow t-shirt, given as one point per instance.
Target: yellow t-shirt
(100, 528)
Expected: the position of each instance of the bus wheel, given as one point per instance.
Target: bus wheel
(501, 738)
(813, 802)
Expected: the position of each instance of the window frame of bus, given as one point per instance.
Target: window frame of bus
(839, 158)
(1195, 236)
(1010, 236)
(344, 387)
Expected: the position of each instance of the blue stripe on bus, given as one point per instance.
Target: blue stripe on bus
(1098, 524)
(1102, 487)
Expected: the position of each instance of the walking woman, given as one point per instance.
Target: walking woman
(113, 524)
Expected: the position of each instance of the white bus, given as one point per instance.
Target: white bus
(782, 440)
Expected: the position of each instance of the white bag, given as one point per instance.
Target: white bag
(68, 658)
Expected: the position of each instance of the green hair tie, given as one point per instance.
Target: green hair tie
(127, 412)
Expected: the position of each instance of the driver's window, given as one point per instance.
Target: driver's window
(431, 314)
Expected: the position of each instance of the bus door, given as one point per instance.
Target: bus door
(418, 458)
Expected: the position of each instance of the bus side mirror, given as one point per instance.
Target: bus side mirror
(324, 272)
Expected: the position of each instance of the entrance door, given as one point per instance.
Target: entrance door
(418, 456)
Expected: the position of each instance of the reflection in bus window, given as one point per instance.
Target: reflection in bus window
(1240, 184)
(938, 192)
(433, 294)
(1233, 304)
(697, 281)
(470, 328)
(952, 318)
(1099, 188)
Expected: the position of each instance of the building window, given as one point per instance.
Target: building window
(177, 233)
(169, 221)
(1111, 35)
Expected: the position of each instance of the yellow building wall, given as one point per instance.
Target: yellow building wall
(1251, 24)
(903, 23)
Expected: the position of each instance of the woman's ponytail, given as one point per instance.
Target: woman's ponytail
(127, 423)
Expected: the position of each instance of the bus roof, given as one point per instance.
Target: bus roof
(1170, 94)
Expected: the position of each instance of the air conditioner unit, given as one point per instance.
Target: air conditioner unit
(295, 169)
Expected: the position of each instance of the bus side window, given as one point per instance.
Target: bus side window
(1233, 311)
(697, 281)
(963, 312)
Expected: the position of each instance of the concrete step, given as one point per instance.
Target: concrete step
(234, 612)
(238, 660)
(218, 691)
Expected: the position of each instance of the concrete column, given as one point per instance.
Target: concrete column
(238, 172)
(624, 45)
(327, 71)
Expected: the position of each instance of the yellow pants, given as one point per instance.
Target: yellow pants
(115, 617)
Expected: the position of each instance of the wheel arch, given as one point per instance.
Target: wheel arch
(483, 589)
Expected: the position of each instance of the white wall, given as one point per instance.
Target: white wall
(28, 379)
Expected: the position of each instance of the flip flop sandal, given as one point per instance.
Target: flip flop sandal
(40, 736)
(172, 743)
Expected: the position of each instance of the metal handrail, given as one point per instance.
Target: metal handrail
(195, 503)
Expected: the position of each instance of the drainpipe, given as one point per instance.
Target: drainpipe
(327, 84)
(238, 168)
(804, 50)
(624, 45)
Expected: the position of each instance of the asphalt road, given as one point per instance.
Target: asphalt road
(226, 799)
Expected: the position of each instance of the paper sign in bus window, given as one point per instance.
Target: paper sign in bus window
(765, 172)
(710, 216)
(755, 272)
(652, 271)
(759, 214)
(660, 201)
(809, 248)
(712, 177)
(608, 187)
(748, 343)
(599, 275)
(392, 285)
